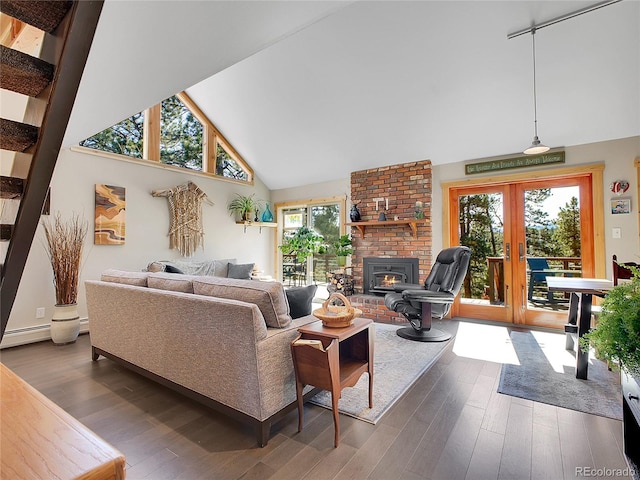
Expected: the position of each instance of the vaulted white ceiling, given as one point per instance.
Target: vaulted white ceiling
(311, 91)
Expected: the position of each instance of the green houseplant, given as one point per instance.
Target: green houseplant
(303, 243)
(244, 206)
(617, 334)
(64, 242)
(343, 247)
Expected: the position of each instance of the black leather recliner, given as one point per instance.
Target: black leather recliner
(421, 303)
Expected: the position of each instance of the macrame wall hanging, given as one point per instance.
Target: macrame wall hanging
(186, 233)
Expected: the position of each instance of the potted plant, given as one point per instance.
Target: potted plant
(303, 243)
(64, 242)
(244, 206)
(342, 248)
(617, 334)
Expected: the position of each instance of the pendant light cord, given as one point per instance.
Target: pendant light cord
(535, 100)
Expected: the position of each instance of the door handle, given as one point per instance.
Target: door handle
(521, 251)
(507, 252)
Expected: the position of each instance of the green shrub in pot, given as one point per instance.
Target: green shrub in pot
(617, 334)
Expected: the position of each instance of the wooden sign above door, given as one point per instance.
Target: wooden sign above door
(514, 162)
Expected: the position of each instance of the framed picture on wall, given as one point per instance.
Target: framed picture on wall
(110, 222)
(621, 206)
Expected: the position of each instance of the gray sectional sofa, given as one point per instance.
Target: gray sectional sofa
(221, 341)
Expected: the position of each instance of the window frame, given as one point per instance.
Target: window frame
(211, 137)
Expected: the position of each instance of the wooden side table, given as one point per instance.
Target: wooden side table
(346, 354)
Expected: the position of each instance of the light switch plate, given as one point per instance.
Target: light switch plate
(616, 232)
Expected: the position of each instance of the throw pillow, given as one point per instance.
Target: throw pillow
(300, 299)
(171, 269)
(240, 271)
(156, 267)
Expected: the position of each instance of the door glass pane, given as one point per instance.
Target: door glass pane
(325, 220)
(481, 228)
(552, 230)
(294, 272)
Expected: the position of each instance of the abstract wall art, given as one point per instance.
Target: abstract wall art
(109, 215)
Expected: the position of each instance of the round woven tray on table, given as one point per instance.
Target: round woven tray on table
(337, 315)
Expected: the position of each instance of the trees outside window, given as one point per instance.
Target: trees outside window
(180, 135)
(177, 133)
(124, 138)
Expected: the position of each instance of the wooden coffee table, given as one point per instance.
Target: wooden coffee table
(346, 354)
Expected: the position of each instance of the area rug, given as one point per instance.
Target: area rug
(397, 363)
(547, 374)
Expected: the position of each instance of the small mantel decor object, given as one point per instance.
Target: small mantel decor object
(354, 214)
(336, 316)
(617, 336)
(64, 242)
(419, 212)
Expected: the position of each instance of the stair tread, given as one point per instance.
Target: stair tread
(23, 73)
(5, 231)
(16, 136)
(45, 15)
(11, 187)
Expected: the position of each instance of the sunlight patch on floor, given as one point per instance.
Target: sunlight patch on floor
(484, 342)
(553, 347)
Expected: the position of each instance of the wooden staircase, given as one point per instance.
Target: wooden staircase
(51, 87)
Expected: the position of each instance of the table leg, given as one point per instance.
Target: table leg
(584, 323)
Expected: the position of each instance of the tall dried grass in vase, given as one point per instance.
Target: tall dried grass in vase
(64, 241)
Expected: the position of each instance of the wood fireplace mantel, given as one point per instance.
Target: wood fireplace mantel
(411, 222)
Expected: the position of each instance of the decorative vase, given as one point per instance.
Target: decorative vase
(65, 324)
(354, 214)
(267, 216)
(342, 260)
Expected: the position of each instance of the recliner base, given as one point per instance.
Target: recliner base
(431, 335)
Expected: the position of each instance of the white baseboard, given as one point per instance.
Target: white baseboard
(37, 333)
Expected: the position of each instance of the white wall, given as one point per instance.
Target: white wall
(147, 224)
(618, 157)
(336, 188)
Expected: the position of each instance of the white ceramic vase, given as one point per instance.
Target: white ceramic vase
(65, 324)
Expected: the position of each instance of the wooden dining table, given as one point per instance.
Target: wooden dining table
(582, 291)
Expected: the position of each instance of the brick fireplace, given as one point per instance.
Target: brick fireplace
(400, 186)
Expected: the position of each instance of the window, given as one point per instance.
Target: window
(124, 138)
(176, 133)
(180, 135)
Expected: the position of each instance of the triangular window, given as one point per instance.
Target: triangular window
(124, 138)
(177, 133)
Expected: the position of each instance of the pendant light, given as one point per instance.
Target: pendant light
(536, 147)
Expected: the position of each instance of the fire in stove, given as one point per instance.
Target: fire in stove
(389, 281)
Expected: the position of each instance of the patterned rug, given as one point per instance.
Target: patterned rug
(546, 374)
(397, 363)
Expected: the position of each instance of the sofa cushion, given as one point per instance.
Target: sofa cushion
(268, 296)
(299, 299)
(121, 276)
(217, 268)
(171, 281)
(240, 271)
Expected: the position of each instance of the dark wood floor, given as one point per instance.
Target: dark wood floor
(451, 425)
